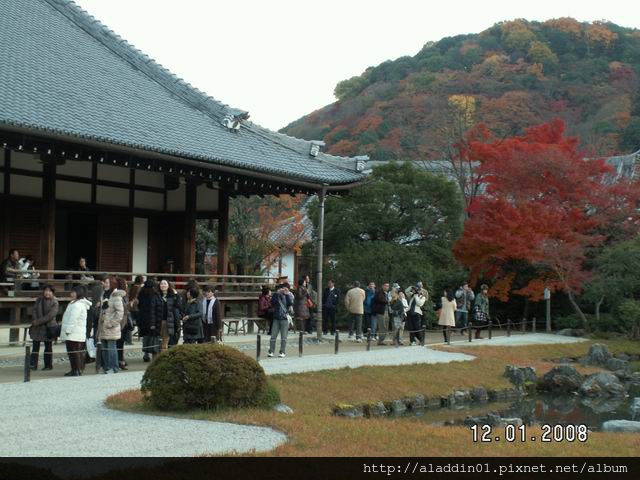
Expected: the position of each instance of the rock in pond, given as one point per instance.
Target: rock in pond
(627, 426)
(349, 411)
(602, 384)
(599, 354)
(562, 379)
(521, 376)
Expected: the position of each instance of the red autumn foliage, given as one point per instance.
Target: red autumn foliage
(545, 204)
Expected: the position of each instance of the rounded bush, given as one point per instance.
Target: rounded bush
(206, 376)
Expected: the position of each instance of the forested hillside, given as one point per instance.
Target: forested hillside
(514, 75)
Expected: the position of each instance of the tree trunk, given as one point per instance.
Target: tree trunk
(598, 305)
(577, 308)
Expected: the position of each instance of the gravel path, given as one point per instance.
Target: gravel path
(518, 340)
(43, 418)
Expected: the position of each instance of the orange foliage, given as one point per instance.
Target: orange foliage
(370, 122)
(344, 148)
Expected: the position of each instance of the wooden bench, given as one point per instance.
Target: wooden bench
(245, 325)
(238, 323)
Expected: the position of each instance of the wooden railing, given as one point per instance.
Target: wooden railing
(63, 280)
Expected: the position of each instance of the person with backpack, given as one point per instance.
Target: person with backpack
(481, 310)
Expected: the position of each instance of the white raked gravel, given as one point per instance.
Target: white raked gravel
(516, 339)
(67, 417)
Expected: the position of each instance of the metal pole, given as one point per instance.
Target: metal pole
(508, 327)
(423, 340)
(548, 326)
(523, 325)
(258, 347)
(368, 339)
(448, 333)
(98, 356)
(533, 324)
(490, 329)
(398, 338)
(27, 363)
(319, 288)
(336, 342)
(300, 341)
(469, 332)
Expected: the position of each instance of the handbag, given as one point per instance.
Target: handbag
(53, 331)
(91, 347)
(309, 303)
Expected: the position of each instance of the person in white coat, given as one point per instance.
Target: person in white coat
(73, 330)
(447, 317)
(415, 316)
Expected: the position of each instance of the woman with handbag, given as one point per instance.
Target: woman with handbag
(192, 326)
(73, 329)
(169, 313)
(301, 305)
(265, 310)
(110, 324)
(44, 327)
(481, 310)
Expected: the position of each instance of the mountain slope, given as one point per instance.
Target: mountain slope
(511, 76)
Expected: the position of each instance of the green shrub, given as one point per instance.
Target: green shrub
(568, 321)
(206, 376)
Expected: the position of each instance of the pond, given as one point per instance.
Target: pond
(538, 409)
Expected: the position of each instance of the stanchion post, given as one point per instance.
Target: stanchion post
(448, 331)
(27, 363)
(398, 338)
(258, 347)
(423, 340)
(533, 325)
(490, 329)
(523, 325)
(98, 356)
(336, 342)
(470, 332)
(508, 327)
(300, 342)
(368, 339)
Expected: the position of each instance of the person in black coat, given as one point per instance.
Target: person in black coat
(148, 303)
(170, 313)
(381, 312)
(330, 299)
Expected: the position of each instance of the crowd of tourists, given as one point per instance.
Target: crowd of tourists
(105, 312)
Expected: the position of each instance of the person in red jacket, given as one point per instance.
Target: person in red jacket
(265, 310)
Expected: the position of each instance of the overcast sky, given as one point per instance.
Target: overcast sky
(281, 59)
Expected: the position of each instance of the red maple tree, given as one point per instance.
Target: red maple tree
(546, 205)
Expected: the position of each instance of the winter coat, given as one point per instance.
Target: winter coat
(368, 299)
(111, 318)
(380, 303)
(170, 310)
(354, 301)
(300, 307)
(5, 275)
(264, 305)
(74, 321)
(192, 328)
(447, 313)
(482, 303)
(464, 299)
(397, 308)
(416, 304)
(44, 314)
(281, 303)
(147, 316)
(330, 298)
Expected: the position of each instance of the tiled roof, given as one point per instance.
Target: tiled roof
(65, 73)
(625, 165)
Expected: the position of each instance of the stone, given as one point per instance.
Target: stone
(512, 393)
(563, 378)
(445, 401)
(435, 402)
(598, 354)
(349, 411)
(512, 421)
(417, 402)
(493, 418)
(635, 408)
(496, 395)
(617, 364)
(398, 407)
(479, 394)
(460, 397)
(375, 409)
(602, 404)
(622, 356)
(282, 408)
(602, 384)
(571, 332)
(626, 426)
(623, 375)
(521, 377)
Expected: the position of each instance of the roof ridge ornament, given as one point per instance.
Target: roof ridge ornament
(315, 147)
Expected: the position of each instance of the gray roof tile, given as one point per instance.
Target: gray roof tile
(64, 72)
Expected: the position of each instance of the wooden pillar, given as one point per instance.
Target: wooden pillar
(189, 246)
(223, 233)
(48, 216)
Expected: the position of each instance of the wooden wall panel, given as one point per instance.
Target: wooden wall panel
(115, 242)
(22, 224)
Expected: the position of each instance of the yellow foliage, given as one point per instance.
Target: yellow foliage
(464, 108)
